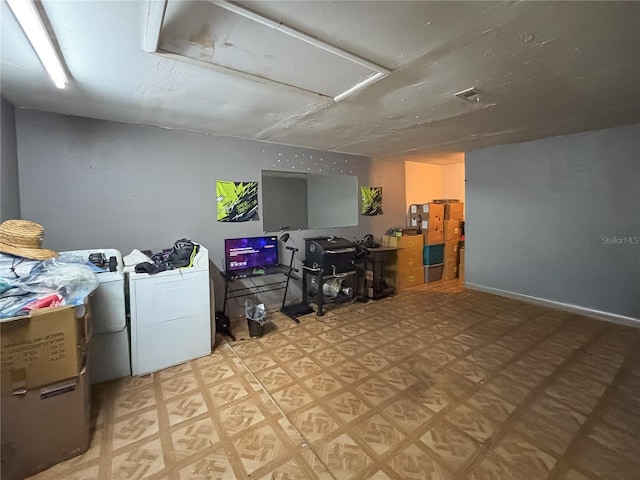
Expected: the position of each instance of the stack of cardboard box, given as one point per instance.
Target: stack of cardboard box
(453, 215)
(428, 218)
(45, 389)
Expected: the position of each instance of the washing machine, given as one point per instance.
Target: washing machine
(170, 315)
(109, 347)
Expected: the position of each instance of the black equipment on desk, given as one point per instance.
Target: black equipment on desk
(331, 254)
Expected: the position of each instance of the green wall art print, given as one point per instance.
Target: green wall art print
(371, 200)
(237, 201)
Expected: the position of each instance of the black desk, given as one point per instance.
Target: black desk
(245, 291)
(380, 268)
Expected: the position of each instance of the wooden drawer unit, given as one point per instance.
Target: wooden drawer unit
(409, 259)
(410, 278)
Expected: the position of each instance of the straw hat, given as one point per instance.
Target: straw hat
(24, 239)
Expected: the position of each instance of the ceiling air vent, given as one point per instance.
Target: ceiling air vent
(470, 94)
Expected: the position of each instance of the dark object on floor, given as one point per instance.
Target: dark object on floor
(296, 310)
(223, 325)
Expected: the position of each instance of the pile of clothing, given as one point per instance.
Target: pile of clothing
(181, 255)
(33, 277)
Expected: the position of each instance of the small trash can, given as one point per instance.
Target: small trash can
(256, 318)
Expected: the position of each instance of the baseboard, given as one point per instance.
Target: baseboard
(609, 317)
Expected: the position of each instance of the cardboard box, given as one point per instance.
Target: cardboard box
(428, 216)
(433, 238)
(450, 269)
(451, 250)
(407, 232)
(461, 264)
(452, 230)
(44, 348)
(410, 278)
(414, 242)
(454, 211)
(45, 426)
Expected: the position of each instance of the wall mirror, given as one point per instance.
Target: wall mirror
(307, 201)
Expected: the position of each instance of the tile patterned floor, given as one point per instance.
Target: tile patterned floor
(435, 383)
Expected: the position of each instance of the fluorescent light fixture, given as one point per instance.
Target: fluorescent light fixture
(29, 19)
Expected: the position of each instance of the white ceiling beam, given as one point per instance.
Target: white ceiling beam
(155, 17)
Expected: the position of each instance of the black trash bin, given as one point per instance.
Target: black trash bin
(256, 318)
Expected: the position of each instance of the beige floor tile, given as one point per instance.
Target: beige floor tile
(349, 372)
(603, 463)
(259, 362)
(240, 416)
(259, 447)
(342, 456)
(216, 372)
(311, 344)
(379, 434)
(516, 450)
(140, 463)
(178, 385)
(328, 357)
(213, 466)
(433, 383)
(473, 423)
(314, 423)
(130, 402)
(451, 445)
(186, 407)
(491, 404)
(194, 438)
(292, 397)
(414, 464)
(348, 405)
(373, 361)
(375, 390)
(227, 392)
(134, 428)
(322, 385)
(274, 378)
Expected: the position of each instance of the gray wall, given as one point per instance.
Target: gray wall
(558, 219)
(10, 196)
(99, 184)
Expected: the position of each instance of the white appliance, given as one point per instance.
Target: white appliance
(109, 355)
(170, 315)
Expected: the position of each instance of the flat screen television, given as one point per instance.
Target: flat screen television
(250, 253)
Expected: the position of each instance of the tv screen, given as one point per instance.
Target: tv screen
(250, 252)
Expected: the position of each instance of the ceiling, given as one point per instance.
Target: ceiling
(541, 68)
